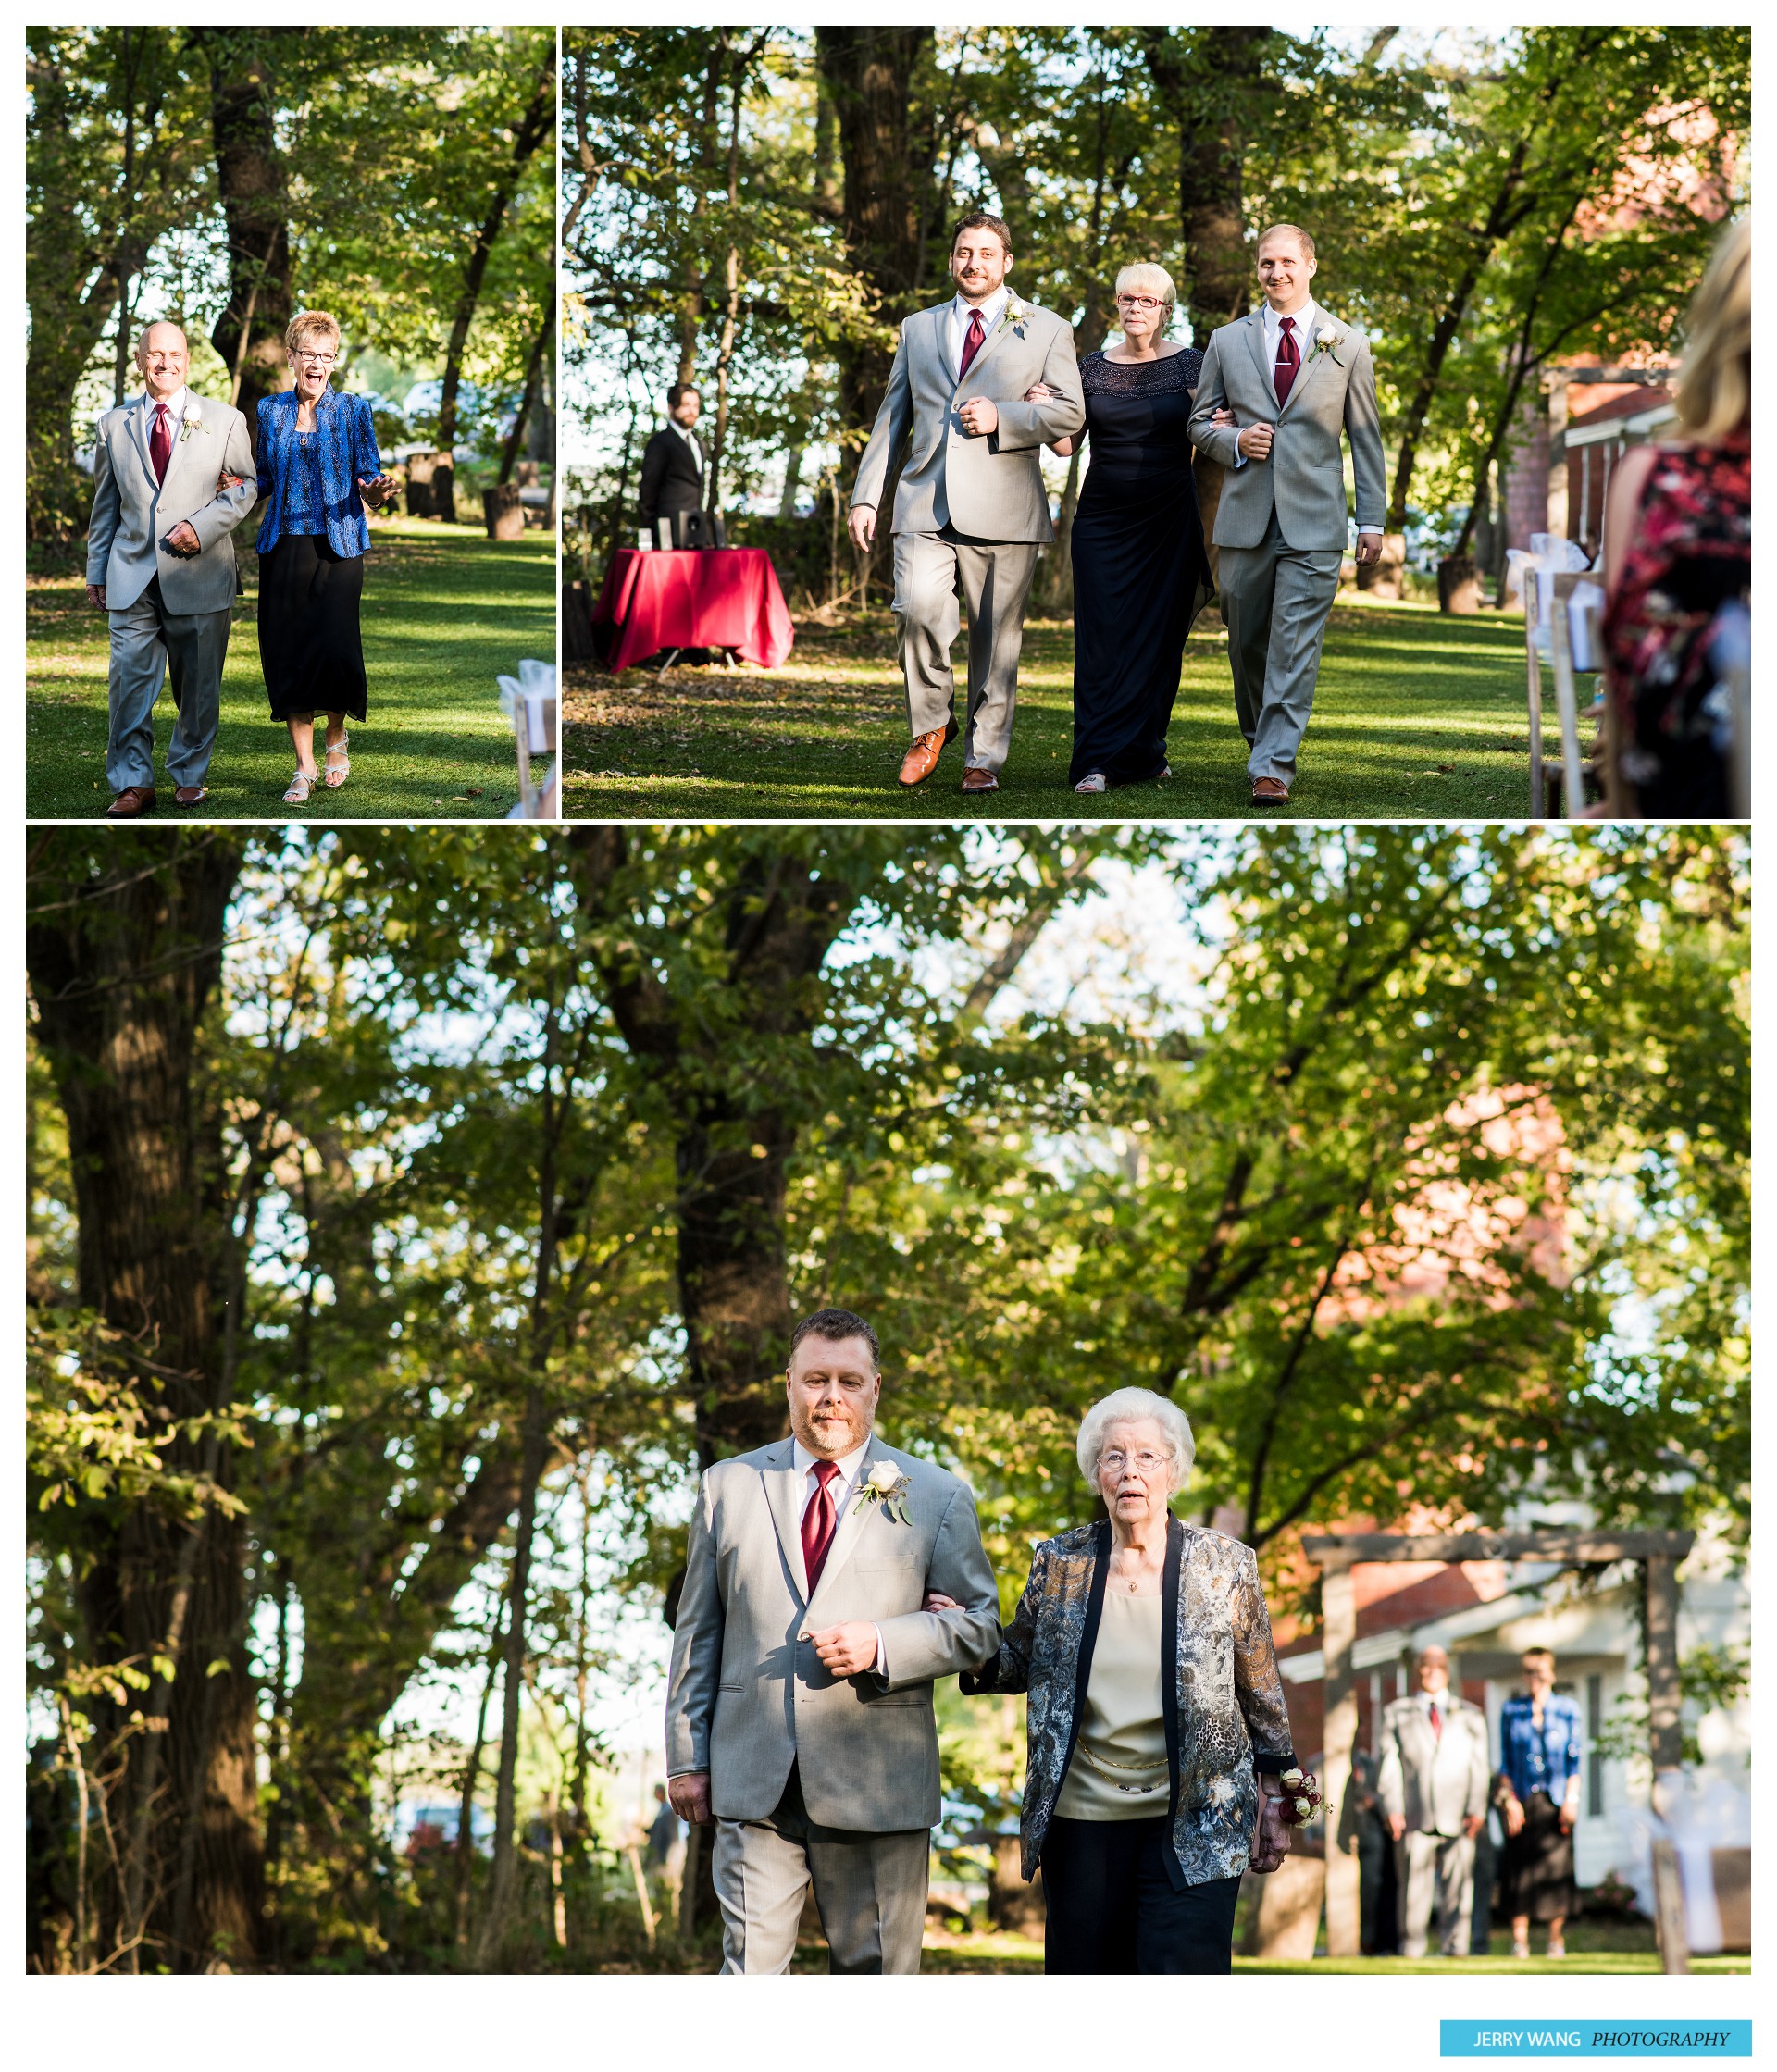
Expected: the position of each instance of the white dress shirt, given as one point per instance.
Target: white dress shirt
(176, 404)
(1304, 319)
(961, 309)
(845, 1490)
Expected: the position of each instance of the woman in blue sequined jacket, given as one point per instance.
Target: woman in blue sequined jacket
(319, 471)
(1156, 1722)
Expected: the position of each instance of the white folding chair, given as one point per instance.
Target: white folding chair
(532, 703)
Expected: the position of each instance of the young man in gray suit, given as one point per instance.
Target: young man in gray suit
(1433, 1786)
(799, 1708)
(173, 476)
(1295, 379)
(971, 502)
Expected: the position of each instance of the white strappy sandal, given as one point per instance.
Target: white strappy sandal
(301, 785)
(338, 773)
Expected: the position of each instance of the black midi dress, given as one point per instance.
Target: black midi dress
(1140, 572)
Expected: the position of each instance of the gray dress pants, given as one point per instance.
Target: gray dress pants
(870, 1889)
(996, 577)
(1436, 1875)
(148, 644)
(1275, 598)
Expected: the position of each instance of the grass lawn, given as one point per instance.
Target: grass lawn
(1417, 716)
(445, 612)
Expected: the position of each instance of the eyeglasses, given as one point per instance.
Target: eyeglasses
(1143, 1463)
(320, 359)
(1139, 302)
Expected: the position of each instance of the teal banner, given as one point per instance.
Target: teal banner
(1621, 2039)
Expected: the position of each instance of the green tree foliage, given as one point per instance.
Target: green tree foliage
(226, 176)
(1416, 1169)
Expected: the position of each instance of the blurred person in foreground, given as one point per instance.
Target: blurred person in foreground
(1157, 1727)
(319, 471)
(1678, 560)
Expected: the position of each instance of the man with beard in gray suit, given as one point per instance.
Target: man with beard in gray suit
(1295, 379)
(173, 476)
(970, 506)
(799, 1706)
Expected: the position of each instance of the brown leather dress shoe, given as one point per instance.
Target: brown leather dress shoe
(1270, 792)
(979, 781)
(131, 803)
(921, 759)
(191, 794)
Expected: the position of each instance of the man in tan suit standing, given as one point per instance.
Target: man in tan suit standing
(970, 503)
(799, 1706)
(1433, 1786)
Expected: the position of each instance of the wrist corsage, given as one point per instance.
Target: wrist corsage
(1301, 1798)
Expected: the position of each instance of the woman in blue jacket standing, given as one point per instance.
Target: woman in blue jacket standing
(1538, 1791)
(319, 469)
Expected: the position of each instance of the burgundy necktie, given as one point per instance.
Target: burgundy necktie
(1437, 1725)
(1288, 359)
(160, 443)
(818, 1522)
(972, 344)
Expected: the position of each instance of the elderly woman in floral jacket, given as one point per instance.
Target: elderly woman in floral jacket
(1156, 1722)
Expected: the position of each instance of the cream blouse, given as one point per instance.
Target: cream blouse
(1119, 1770)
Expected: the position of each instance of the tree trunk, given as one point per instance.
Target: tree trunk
(124, 947)
(1207, 88)
(527, 401)
(252, 181)
(535, 127)
(866, 75)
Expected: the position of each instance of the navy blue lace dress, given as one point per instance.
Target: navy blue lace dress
(1140, 573)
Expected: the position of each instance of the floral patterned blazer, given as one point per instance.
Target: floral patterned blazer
(1224, 1698)
(348, 451)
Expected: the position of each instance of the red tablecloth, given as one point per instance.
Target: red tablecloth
(715, 597)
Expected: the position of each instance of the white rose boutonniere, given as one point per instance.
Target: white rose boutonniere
(886, 1486)
(1328, 338)
(194, 422)
(1015, 312)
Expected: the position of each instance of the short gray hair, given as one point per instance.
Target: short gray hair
(1125, 1404)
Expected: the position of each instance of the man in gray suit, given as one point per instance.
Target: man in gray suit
(1434, 1786)
(1295, 379)
(970, 504)
(799, 1706)
(173, 476)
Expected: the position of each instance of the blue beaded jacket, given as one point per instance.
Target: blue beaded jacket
(347, 434)
(1222, 1695)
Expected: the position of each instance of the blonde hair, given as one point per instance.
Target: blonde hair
(1715, 387)
(1281, 230)
(1146, 279)
(1128, 1406)
(310, 323)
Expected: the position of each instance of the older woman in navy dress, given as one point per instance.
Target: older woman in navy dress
(1140, 572)
(319, 469)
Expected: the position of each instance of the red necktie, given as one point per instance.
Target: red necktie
(1288, 359)
(972, 344)
(818, 1522)
(160, 444)
(1437, 1725)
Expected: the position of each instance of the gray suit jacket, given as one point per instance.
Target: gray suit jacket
(746, 1697)
(1437, 1781)
(1334, 390)
(133, 513)
(992, 488)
